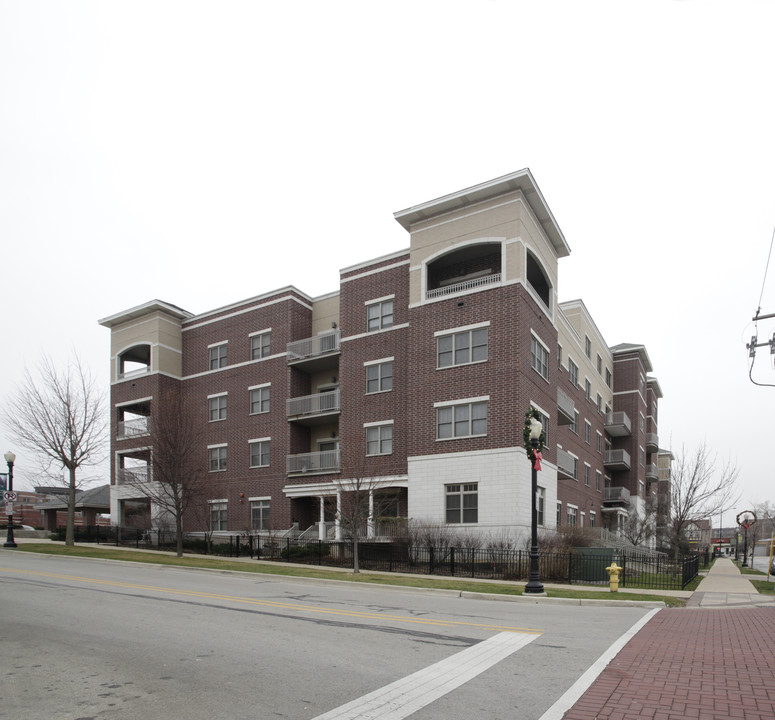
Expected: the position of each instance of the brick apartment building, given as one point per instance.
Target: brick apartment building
(414, 375)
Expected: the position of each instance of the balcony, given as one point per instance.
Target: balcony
(325, 461)
(617, 424)
(132, 476)
(466, 285)
(132, 428)
(617, 460)
(617, 495)
(314, 409)
(652, 472)
(567, 465)
(652, 442)
(566, 408)
(315, 353)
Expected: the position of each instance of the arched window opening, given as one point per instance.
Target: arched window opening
(464, 269)
(134, 361)
(537, 279)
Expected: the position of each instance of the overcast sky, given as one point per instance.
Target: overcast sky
(146, 145)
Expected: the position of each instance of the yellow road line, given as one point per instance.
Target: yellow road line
(272, 603)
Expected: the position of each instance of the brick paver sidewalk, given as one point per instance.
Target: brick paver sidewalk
(699, 664)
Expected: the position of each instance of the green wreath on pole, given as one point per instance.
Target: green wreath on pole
(530, 415)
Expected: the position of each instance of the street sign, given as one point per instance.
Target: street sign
(10, 496)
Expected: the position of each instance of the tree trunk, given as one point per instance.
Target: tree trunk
(70, 532)
(179, 534)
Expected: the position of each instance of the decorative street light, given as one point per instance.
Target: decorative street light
(10, 458)
(534, 432)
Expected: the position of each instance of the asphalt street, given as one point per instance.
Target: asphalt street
(88, 639)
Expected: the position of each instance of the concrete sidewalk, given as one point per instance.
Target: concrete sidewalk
(714, 660)
(725, 586)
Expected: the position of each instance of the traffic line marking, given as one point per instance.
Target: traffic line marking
(406, 696)
(276, 604)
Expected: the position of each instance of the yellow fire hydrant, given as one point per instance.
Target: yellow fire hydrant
(613, 575)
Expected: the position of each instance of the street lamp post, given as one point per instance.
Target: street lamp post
(534, 585)
(10, 458)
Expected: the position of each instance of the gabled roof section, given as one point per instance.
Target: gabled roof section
(624, 348)
(143, 310)
(521, 180)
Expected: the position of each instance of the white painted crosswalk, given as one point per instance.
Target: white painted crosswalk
(406, 696)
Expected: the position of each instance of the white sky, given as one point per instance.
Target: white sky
(142, 143)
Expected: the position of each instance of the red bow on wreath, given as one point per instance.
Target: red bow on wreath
(537, 457)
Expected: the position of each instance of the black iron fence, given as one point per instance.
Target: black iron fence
(581, 566)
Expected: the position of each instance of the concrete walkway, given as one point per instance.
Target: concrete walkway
(725, 586)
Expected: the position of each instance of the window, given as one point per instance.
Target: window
(540, 499)
(379, 377)
(571, 516)
(599, 442)
(599, 403)
(217, 407)
(463, 420)
(259, 400)
(259, 345)
(259, 514)
(587, 432)
(379, 315)
(574, 426)
(259, 453)
(463, 503)
(588, 347)
(608, 377)
(587, 389)
(573, 373)
(218, 356)
(592, 516)
(217, 458)
(559, 513)
(575, 464)
(641, 456)
(539, 358)
(587, 473)
(462, 348)
(599, 365)
(379, 439)
(559, 356)
(598, 477)
(218, 515)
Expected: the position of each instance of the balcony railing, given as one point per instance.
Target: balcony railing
(566, 408)
(133, 428)
(318, 404)
(567, 465)
(463, 286)
(652, 442)
(314, 462)
(617, 459)
(652, 472)
(617, 494)
(314, 347)
(130, 476)
(134, 373)
(617, 424)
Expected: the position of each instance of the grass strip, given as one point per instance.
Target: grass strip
(265, 568)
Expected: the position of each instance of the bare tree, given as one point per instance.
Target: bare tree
(639, 528)
(177, 477)
(58, 415)
(361, 502)
(700, 488)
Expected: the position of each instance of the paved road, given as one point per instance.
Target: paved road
(86, 639)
